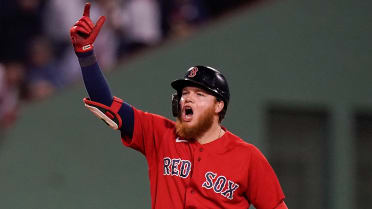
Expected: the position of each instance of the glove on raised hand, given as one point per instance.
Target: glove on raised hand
(84, 32)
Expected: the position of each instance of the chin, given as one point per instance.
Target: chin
(196, 127)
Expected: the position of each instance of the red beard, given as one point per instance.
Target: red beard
(192, 132)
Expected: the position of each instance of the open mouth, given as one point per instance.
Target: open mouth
(188, 113)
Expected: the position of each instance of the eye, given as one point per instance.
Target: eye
(200, 94)
(185, 92)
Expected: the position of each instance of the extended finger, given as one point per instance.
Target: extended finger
(98, 26)
(87, 9)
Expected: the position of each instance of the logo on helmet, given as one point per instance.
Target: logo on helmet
(193, 72)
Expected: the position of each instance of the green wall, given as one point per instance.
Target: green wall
(296, 52)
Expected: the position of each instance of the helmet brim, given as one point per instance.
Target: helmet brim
(179, 84)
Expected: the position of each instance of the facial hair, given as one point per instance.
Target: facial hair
(192, 132)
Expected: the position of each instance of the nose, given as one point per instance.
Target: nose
(187, 98)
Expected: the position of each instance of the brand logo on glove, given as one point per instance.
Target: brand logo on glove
(86, 47)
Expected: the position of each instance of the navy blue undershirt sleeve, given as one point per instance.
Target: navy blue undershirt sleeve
(99, 90)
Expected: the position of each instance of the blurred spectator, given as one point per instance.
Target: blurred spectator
(35, 33)
(43, 75)
(186, 14)
(20, 21)
(107, 43)
(140, 24)
(11, 79)
(59, 16)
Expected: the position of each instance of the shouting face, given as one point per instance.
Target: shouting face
(199, 112)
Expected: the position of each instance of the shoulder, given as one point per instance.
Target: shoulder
(238, 142)
(155, 119)
(239, 145)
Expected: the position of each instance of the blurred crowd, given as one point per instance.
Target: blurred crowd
(36, 56)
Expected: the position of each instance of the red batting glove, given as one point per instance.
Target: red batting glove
(84, 32)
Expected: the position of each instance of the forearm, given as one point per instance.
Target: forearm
(101, 103)
(94, 80)
(99, 90)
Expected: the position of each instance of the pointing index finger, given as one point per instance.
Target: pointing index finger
(87, 10)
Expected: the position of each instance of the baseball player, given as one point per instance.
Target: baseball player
(194, 162)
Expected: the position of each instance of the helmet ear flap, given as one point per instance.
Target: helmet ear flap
(176, 104)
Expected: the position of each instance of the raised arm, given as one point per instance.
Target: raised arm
(111, 110)
(83, 34)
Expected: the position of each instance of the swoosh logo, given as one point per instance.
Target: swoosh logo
(180, 140)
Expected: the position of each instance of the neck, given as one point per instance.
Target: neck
(212, 134)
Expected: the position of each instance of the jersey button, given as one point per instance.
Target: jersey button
(192, 191)
(201, 149)
(199, 159)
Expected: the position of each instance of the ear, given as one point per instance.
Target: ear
(219, 106)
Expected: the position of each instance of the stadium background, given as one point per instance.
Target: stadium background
(300, 78)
